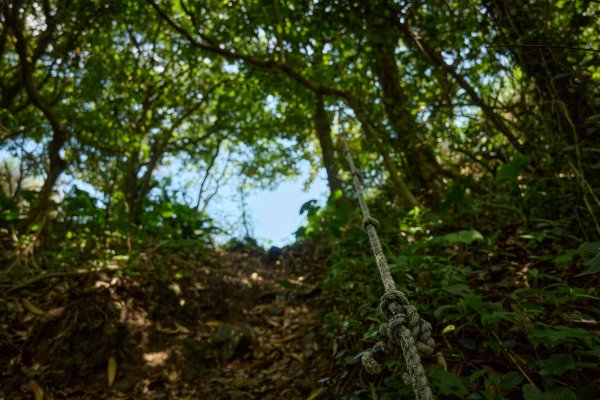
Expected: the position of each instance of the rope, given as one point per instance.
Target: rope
(405, 328)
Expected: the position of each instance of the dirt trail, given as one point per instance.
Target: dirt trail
(182, 323)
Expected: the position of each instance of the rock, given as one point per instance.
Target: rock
(275, 311)
(195, 351)
(273, 254)
(231, 341)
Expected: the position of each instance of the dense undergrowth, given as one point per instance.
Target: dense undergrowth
(506, 278)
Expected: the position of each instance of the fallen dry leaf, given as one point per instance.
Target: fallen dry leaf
(38, 392)
(112, 370)
(31, 308)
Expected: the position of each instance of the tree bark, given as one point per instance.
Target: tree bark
(130, 185)
(399, 185)
(423, 166)
(323, 130)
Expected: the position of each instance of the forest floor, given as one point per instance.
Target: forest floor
(185, 324)
(180, 321)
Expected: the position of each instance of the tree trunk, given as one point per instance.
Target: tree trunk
(399, 185)
(57, 165)
(143, 188)
(423, 166)
(323, 130)
(41, 207)
(130, 186)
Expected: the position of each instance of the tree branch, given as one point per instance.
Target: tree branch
(256, 61)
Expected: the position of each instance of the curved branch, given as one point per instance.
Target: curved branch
(265, 63)
(59, 133)
(438, 60)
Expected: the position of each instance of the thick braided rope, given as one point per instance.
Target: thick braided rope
(405, 328)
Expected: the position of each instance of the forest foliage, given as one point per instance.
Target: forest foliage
(476, 126)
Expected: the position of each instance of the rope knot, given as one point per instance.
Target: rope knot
(406, 329)
(370, 221)
(373, 359)
(393, 302)
(404, 316)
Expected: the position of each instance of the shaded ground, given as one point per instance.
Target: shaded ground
(193, 324)
(183, 322)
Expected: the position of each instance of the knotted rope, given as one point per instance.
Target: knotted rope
(405, 328)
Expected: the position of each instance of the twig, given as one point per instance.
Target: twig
(512, 358)
(551, 46)
(12, 288)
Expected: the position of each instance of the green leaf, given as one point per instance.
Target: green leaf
(594, 352)
(399, 260)
(11, 215)
(373, 391)
(466, 236)
(510, 380)
(167, 214)
(448, 384)
(32, 308)
(394, 382)
(564, 258)
(371, 334)
(588, 248)
(444, 310)
(552, 336)
(531, 392)
(511, 170)
(353, 359)
(585, 249)
(310, 207)
(284, 283)
(593, 264)
(495, 317)
(459, 289)
(474, 302)
(557, 364)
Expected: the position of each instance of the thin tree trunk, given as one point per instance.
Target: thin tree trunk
(399, 185)
(130, 184)
(396, 179)
(423, 166)
(142, 188)
(209, 168)
(323, 130)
